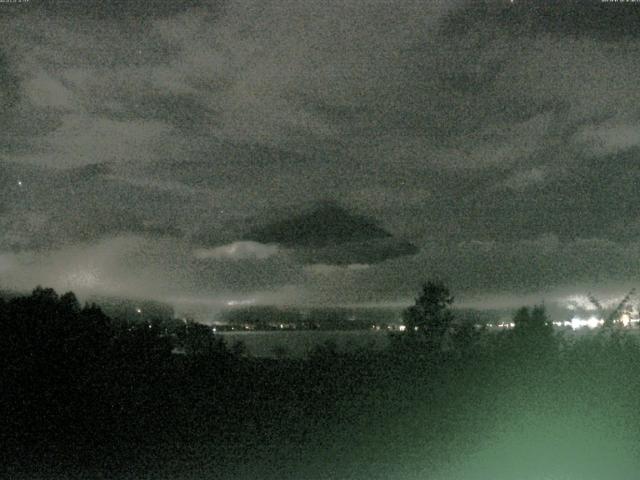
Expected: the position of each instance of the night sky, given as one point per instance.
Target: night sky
(310, 152)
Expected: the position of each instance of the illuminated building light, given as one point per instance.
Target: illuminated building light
(593, 322)
(577, 323)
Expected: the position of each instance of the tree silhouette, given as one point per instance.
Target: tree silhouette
(614, 316)
(532, 322)
(465, 338)
(69, 302)
(199, 340)
(533, 331)
(430, 318)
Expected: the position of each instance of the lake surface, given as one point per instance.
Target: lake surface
(298, 343)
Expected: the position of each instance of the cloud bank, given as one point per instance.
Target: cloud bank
(492, 144)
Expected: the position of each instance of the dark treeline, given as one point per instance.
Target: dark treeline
(84, 394)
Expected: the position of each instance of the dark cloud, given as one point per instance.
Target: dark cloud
(183, 111)
(357, 252)
(120, 9)
(328, 234)
(606, 21)
(20, 121)
(77, 205)
(325, 225)
(10, 90)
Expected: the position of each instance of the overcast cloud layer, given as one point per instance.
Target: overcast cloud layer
(173, 149)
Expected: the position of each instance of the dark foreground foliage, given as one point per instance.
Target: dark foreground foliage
(86, 396)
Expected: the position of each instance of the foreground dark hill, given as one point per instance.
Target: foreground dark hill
(85, 396)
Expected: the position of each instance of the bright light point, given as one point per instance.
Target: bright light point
(19, 183)
(576, 323)
(593, 322)
(402, 328)
(138, 310)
